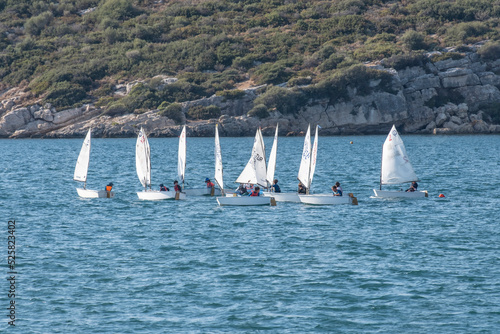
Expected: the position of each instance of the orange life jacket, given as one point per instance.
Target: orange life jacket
(108, 188)
(254, 193)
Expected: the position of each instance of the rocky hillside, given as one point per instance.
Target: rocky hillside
(459, 94)
(353, 66)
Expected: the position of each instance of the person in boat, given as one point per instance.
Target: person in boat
(249, 187)
(255, 191)
(209, 183)
(163, 188)
(177, 187)
(336, 191)
(275, 187)
(242, 190)
(413, 187)
(339, 188)
(109, 186)
(302, 189)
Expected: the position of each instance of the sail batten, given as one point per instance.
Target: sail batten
(181, 161)
(142, 159)
(396, 167)
(82, 164)
(218, 161)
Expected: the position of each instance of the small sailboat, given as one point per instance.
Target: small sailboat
(253, 173)
(81, 170)
(306, 174)
(182, 171)
(271, 168)
(143, 167)
(396, 168)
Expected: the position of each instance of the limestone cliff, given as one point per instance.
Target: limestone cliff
(443, 97)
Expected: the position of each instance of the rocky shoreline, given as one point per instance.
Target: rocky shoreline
(408, 105)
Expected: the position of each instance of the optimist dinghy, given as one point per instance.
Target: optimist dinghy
(254, 173)
(143, 167)
(81, 170)
(306, 174)
(396, 169)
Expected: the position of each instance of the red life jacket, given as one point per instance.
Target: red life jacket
(254, 193)
(177, 187)
(108, 188)
(210, 184)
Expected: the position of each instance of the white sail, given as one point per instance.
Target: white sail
(396, 167)
(181, 161)
(305, 163)
(255, 170)
(142, 159)
(271, 166)
(218, 160)
(82, 164)
(314, 154)
(260, 162)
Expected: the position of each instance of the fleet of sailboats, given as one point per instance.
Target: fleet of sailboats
(395, 169)
(81, 171)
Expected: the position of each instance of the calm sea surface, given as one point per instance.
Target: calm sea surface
(127, 266)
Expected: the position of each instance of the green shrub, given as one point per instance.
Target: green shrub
(235, 94)
(400, 62)
(446, 55)
(490, 51)
(65, 94)
(172, 111)
(36, 24)
(201, 112)
(285, 100)
(466, 32)
(272, 73)
(105, 101)
(117, 109)
(117, 10)
(331, 63)
(413, 40)
(300, 81)
(259, 111)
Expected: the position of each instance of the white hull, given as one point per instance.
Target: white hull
(87, 193)
(244, 200)
(284, 197)
(400, 194)
(327, 199)
(154, 195)
(202, 192)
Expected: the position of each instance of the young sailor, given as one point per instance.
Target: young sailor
(209, 183)
(177, 187)
(275, 186)
(336, 191)
(255, 191)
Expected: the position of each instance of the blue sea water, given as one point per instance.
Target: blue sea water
(127, 266)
